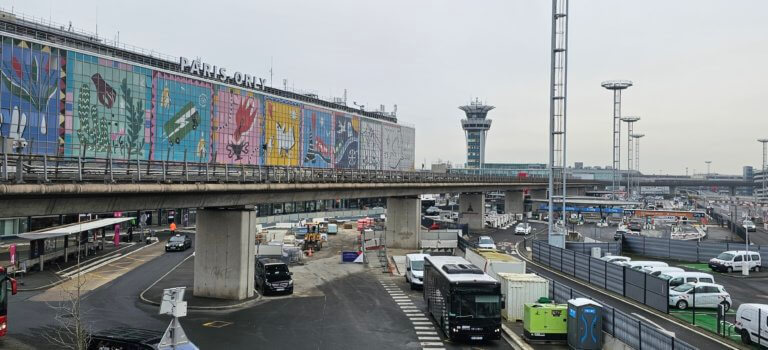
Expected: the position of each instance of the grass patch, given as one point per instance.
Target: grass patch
(700, 267)
(708, 321)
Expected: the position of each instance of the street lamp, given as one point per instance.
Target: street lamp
(765, 152)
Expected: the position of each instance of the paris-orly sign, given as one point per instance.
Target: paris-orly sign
(206, 70)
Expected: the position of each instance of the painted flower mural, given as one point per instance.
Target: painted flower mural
(29, 76)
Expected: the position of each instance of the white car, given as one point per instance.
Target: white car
(523, 228)
(486, 242)
(749, 225)
(708, 295)
(734, 260)
(616, 259)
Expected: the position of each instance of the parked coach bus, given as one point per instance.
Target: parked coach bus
(464, 300)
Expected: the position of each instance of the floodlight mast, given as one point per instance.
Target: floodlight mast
(617, 86)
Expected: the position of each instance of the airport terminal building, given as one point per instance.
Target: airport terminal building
(68, 94)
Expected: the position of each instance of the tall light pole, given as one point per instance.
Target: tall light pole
(762, 196)
(630, 121)
(637, 138)
(616, 86)
(558, 94)
(709, 162)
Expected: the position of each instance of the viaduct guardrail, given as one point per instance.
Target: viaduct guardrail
(17, 169)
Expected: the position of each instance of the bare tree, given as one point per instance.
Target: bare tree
(71, 330)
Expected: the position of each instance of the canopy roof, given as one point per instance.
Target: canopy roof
(65, 230)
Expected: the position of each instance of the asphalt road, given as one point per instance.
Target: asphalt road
(354, 312)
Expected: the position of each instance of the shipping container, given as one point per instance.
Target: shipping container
(519, 289)
(493, 262)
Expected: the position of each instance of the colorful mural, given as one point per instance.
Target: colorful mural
(65, 102)
(181, 125)
(29, 91)
(317, 136)
(346, 137)
(107, 108)
(370, 144)
(236, 126)
(282, 124)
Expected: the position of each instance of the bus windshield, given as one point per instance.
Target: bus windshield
(475, 306)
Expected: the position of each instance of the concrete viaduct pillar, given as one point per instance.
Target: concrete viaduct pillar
(224, 253)
(403, 222)
(472, 210)
(514, 202)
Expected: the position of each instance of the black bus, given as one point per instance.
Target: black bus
(464, 300)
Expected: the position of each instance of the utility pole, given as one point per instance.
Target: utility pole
(630, 121)
(616, 86)
(557, 117)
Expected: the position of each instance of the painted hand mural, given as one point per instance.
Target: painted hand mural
(317, 148)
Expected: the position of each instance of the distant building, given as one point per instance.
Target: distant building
(748, 172)
(476, 128)
(578, 165)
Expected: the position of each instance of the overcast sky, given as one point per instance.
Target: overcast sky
(696, 66)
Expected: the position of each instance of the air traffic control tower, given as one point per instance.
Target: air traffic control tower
(475, 129)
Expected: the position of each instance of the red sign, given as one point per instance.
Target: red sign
(12, 251)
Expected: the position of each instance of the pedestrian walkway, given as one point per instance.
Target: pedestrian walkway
(425, 330)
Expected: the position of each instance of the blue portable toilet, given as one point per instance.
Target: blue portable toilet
(585, 324)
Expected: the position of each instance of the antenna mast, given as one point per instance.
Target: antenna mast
(557, 117)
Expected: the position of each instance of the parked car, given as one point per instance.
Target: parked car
(486, 242)
(748, 320)
(733, 260)
(680, 278)
(640, 265)
(414, 270)
(635, 226)
(178, 242)
(523, 228)
(273, 276)
(657, 270)
(708, 295)
(616, 259)
(749, 225)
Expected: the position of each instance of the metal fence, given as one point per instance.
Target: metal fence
(636, 285)
(19, 168)
(629, 330)
(319, 214)
(586, 247)
(693, 251)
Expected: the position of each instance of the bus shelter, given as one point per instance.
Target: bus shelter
(62, 241)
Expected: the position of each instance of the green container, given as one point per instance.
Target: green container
(545, 322)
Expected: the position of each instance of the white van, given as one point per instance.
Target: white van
(639, 265)
(679, 278)
(414, 269)
(658, 270)
(733, 260)
(747, 322)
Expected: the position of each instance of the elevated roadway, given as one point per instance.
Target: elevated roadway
(50, 186)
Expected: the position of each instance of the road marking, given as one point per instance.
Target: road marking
(424, 328)
(419, 319)
(216, 324)
(430, 338)
(431, 344)
(421, 323)
(425, 333)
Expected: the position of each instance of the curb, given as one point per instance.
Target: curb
(629, 302)
(516, 338)
(147, 301)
